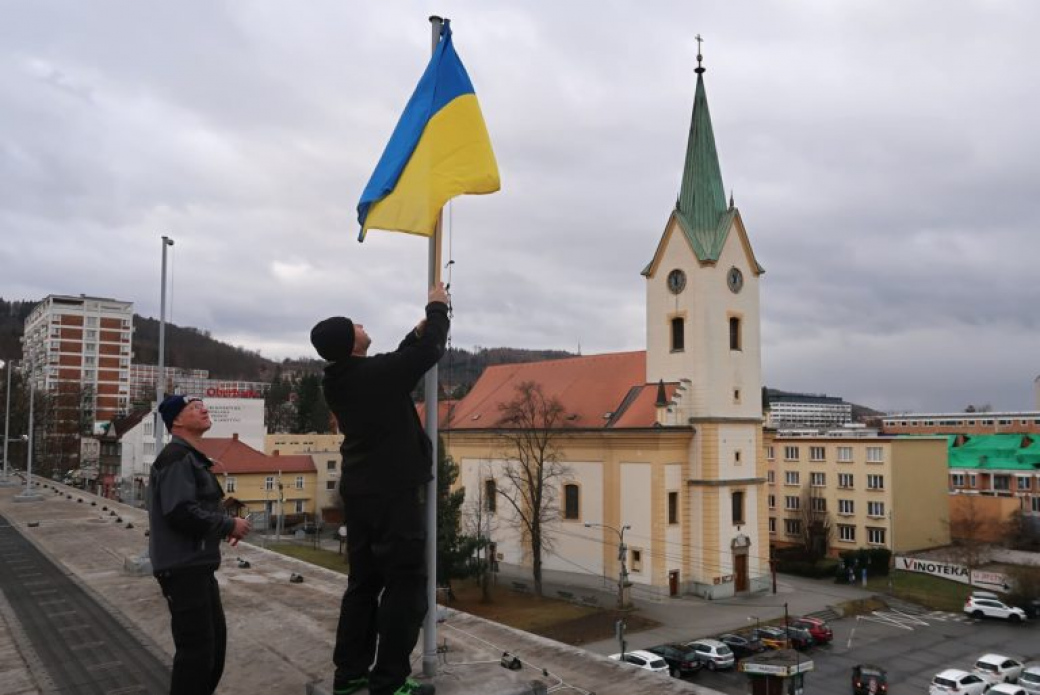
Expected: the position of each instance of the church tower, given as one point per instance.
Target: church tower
(702, 333)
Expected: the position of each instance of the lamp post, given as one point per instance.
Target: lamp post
(29, 495)
(622, 555)
(5, 480)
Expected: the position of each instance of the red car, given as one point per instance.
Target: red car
(820, 631)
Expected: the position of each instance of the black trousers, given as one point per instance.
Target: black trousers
(386, 589)
(199, 630)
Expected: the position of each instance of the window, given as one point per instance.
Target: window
(636, 559)
(299, 506)
(790, 453)
(737, 501)
(792, 502)
(772, 501)
(772, 524)
(330, 465)
(876, 509)
(299, 482)
(770, 453)
(330, 484)
(1036, 504)
(571, 501)
(972, 481)
(818, 479)
(736, 396)
(875, 482)
(229, 484)
(817, 453)
(1002, 482)
(791, 478)
(1022, 482)
(89, 347)
(90, 335)
(92, 320)
(818, 504)
(875, 535)
(736, 457)
(269, 482)
(846, 507)
(875, 454)
(678, 335)
(957, 479)
(489, 496)
(771, 477)
(734, 333)
(847, 533)
(673, 507)
(844, 454)
(89, 361)
(845, 480)
(793, 527)
(148, 432)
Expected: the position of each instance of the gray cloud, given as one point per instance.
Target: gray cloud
(883, 156)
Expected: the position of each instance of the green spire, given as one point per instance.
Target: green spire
(701, 207)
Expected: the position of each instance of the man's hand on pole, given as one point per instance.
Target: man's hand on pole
(438, 293)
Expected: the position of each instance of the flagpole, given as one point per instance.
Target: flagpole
(430, 391)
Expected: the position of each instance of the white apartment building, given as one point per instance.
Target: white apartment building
(797, 410)
(86, 343)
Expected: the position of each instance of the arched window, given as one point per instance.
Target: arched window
(571, 501)
(734, 333)
(678, 334)
(490, 492)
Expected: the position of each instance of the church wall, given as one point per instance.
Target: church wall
(636, 503)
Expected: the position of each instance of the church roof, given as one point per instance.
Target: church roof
(606, 391)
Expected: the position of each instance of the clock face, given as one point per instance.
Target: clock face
(676, 281)
(735, 280)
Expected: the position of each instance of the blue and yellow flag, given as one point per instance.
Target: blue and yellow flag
(439, 149)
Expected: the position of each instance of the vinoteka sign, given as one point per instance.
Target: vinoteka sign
(954, 572)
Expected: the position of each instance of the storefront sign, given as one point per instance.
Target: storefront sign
(954, 572)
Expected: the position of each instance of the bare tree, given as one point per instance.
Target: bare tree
(969, 529)
(531, 425)
(816, 523)
(481, 523)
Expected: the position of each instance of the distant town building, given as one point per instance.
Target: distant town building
(324, 451)
(804, 410)
(82, 346)
(190, 382)
(1016, 422)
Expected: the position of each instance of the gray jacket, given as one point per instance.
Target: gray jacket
(184, 510)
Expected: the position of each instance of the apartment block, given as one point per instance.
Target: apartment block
(1012, 422)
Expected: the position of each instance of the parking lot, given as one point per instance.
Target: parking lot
(912, 647)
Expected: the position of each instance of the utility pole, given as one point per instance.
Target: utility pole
(623, 601)
(29, 495)
(5, 480)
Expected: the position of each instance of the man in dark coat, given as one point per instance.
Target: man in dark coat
(387, 460)
(187, 523)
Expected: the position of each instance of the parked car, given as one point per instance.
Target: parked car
(953, 680)
(643, 659)
(868, 679)
(713, 653)
(773, 637)
(1002, 668)
(681, 659)
(742, 646)
(820, 630)
(1032, 608)
(1006, 689)
(992, 608)
(1030, 679)
(801, 639)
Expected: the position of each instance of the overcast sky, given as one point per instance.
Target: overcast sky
(884, 156)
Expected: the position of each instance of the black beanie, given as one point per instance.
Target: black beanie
(333, 338)
(172, 406)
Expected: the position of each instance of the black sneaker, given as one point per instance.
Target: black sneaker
(351, 686)
(411, 687)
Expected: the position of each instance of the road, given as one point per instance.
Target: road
(913, 647)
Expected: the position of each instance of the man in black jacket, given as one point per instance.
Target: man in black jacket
(187, 524)
(387, 460)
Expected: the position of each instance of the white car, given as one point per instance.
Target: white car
(713, 653)
(992, 608)
(953, 680)
(642, 659)
(1003, 668)
(1030, 679)
(1006, 689)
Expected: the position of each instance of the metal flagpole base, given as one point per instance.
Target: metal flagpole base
(28, 497)
(7, 481)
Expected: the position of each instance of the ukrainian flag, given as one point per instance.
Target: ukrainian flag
(439, 149)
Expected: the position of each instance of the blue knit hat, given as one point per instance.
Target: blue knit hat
(172, 406)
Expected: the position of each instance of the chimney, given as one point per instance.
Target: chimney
(234, 436)
(274, 453)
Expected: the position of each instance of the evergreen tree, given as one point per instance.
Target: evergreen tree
(455, 550)
(312, 413)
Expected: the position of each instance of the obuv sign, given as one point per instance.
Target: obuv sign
(993, 581)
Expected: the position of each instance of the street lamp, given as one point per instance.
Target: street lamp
(622, 555)
(29, 495)
(5, 480)
(160, 381)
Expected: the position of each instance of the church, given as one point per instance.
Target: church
(658, 471)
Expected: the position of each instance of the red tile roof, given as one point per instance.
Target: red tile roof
(597, 391)
(230, 455)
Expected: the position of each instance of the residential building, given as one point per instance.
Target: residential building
(189, 382)
(662, 445)
(803, 410)
(324, 452)
(82, 345)
(880, 491)
(991, 477)
(1012, 422)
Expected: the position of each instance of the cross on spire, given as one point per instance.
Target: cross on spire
(699, 69)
